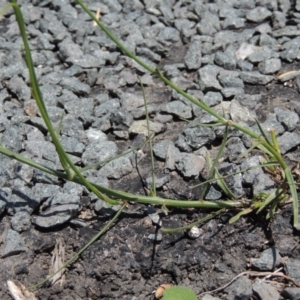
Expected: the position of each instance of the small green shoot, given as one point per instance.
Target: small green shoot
(179, 293)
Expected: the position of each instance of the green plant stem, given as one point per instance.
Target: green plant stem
(202, 105)
(128, 196)
(64, 158)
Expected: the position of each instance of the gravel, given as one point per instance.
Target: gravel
(229, 55)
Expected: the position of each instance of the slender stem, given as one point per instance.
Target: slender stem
(124, 195)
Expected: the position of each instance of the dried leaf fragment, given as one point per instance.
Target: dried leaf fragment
(161, 289)
(19, 292)
(57, 261)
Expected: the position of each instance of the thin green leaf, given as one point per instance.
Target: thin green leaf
(238, 215)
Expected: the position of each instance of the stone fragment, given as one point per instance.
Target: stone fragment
(255, 77)
(208, 78)
(265, 291)
(177, 108)
(288, 118)
(190, 165)
(292, 293)
(292, 268)
(193, 56)
(288, 141)
(258, 14)
(269, 66)
(268, 260)
(239, 289)
(117, 168)
(96, 152)
(21, 221)
(13, 244)
(140, 127)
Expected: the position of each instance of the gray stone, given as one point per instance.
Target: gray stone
(21, 221)
(68, 49)
(255, 77)
(87, 61)
(22, 199)
(209, 23)
(267, 40)
(72, 145)
(235, 149)
(292, 268)
(117, 168)
(278, 19)
(233, 22)
(229, 92)
(225, 60)
(288, 118)
(244, 65)
(230, 81)
(159, 181)
(167, 151)
(156, 237)
(292, 293)
(103, 123)
(240, 289)
(131, 101)
(72, 188)
(177, 108)
(262, 54)
(140, 127)
(208, 78)
(258, 14)
(212, 98)
(40, 176)
(212, 193)
(193, 56)
(209, 297)
(57, 210)
(42, 149)
(239, 113)
(145, 52)
(269, 66)
(81, 107)
(13, 244)
(264, 290)
(106, 107)
(11, 70)
(71, 126)
(198, 136)
(169, 34)
(251, 176)
(234, 183)
(104, 208)
(43, 191)
(24, 172)
(12, 139)
(20, 88)
(290, 54)
(95, 135)
(121, 120)
(2, 204)
(268, 260)
(190, 165)
(141, 112)
(288, 141)
(76, 86)
(96, 152)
